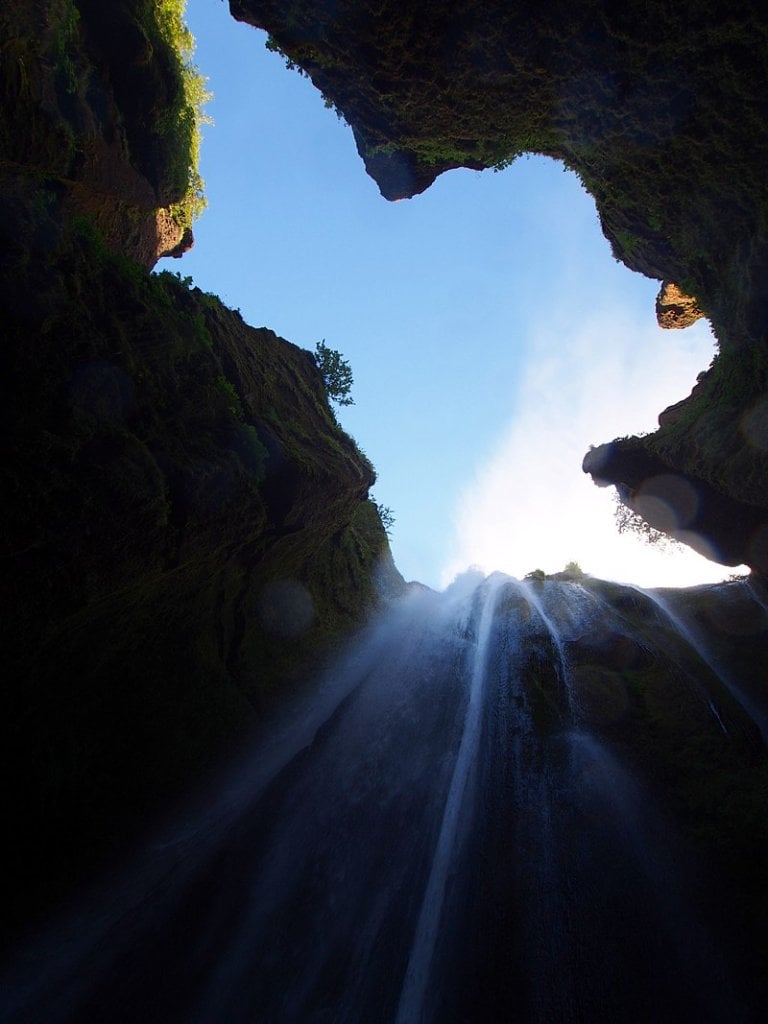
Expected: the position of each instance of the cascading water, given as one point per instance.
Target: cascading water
(411, 1007)
(472, 819)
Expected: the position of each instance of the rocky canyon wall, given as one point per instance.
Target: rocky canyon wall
(184, 524)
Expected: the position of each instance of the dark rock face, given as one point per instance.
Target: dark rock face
(630, 99)
(686, 508)
(660, 109)
(185, 529)
(86, 89)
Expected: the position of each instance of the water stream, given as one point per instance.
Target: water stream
(439, 834)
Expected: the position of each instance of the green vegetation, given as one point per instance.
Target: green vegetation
(309, 56)
(386, 515)
(572, 571)
(95, 98)
(274, 47)
(181, 122)
(337, 373)
(722, 432)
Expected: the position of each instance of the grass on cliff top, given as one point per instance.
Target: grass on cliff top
(137, 58)
(185, 118)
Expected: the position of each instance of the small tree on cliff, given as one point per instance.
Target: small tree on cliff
(337, 373)
(386, 515)
(573, 569)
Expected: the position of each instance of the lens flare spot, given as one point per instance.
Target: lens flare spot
(754, 425)
(286, 608)
(668, 502)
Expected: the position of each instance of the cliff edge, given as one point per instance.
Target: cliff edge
(659, 109)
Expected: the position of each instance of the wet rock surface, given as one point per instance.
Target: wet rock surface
(532, 801)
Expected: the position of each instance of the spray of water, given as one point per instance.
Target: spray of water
(352, 866)
(417, 974)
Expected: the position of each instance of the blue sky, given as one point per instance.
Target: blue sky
(491, 334)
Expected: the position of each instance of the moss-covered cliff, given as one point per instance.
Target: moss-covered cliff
(661, 111)
(185, 528)
(103, 101)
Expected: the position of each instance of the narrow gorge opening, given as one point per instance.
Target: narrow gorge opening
(492, 334)
(254, 776)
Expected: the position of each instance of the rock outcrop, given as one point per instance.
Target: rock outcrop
(659, 109)
(185, 528)
(94, 104)
(674, 309)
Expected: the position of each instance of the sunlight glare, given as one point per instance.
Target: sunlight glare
(530, 506)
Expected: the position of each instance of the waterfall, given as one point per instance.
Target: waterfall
(485, 810)
(417, 974)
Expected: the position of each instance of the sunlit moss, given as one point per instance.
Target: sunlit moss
(182, 122)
